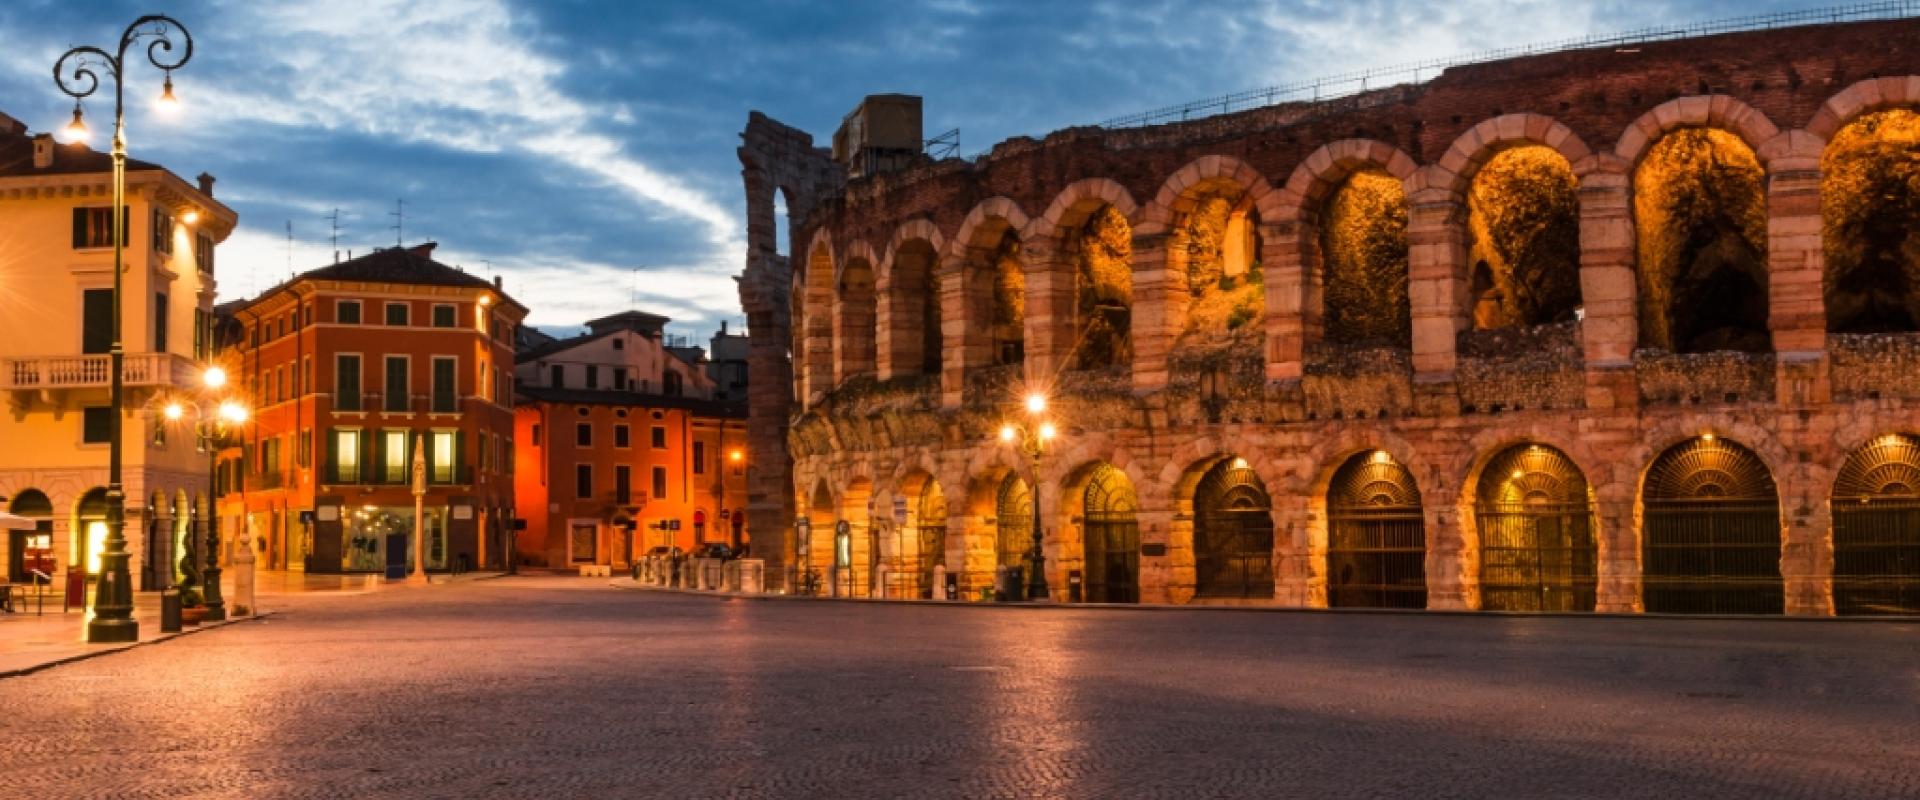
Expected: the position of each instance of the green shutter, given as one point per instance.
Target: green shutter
(333, 454)
(79, 228)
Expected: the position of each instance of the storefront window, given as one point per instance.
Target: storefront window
(379, 536)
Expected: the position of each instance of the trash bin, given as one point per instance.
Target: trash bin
(170, 611)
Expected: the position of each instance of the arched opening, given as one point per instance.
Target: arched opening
(1013, 522)
(1535, 517)
(816, 546)
(853, 339)
(1700, 227)
(929, 530)
(90, 532)
(1711, 531)
(1104, 291)
(1009, 300)
(30, 557)
(1870, 201)
(816, 323)
(1523, 235)
(1232, 533)
(1111, 534)
(913, 296)
(1376, 535)
(1876, 529)
(782, 223)
(855, 549)
(1219, 240)
(1363, 263)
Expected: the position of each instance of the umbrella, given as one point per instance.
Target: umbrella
(13, 522)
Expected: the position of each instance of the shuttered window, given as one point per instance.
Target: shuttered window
(96, 327)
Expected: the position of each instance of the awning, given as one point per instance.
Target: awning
(14, 522)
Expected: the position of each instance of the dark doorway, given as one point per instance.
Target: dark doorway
(1376, 536)
(1232, 533)
(1112, 538)
(1536, 534)
(1712, 532)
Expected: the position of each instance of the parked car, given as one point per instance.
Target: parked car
(717, 550)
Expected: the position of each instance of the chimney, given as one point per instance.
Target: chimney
(496, 283)
(723, 327)
(43, 151)
(206, 184)
(423, 249)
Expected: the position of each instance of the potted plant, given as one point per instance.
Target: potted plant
(193, 607)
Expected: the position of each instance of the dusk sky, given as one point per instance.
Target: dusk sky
(564, 144)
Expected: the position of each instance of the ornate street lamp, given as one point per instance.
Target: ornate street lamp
(113, 598)
(1031, 438)
(216, 420)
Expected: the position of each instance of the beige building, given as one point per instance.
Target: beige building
(56, 279)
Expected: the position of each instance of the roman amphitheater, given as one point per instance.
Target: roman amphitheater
(1632, 327)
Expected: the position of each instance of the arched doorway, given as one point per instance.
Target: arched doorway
(1876, 529)
(930, 532)
(90, 532)
(1112, 537)
(1232, 533)
(1711, 531)
(1013, 520)
(1376, 535)
(1536, 533)
(30, 557)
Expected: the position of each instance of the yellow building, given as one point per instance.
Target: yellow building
(56, 301)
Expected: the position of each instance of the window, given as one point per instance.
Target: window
(620, 378)
(622, 437)
(203, 253)
(486, 454)
(670, 383)
(397, 314)
(398, 396)
(96, 425)
(270, 456)
(346, 312)
(486, 386)
(92, 226)
(346, 382)
(659, 481)
(442, 455)
(201, 321)
(444, 396)
(536, 434)
(593, 376)
(659, 438)
(583, 481)
(623, 484)
(96, 326)
(619, 343)
(395, 459)
(343, 452)
(160, 322)
(303, 448)
(557, 376)
(699, 458)
(162, 232)
(583, 434)
(443, 316)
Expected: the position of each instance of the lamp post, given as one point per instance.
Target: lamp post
(216, 418)
(113, 596)
(1031, 438)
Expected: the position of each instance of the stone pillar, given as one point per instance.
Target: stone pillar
(770, 510)
(1610, 326)
(1436, 288)
(1618, 567)
(970, 545)
(1159, 580)
(1159, 309)
(1284, 257)
(964, 331)
(1453, 580)
(1294, 573)
(1806, 546)
(1796, 267)
(1051, 324)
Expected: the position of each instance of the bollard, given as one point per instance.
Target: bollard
(170, 611)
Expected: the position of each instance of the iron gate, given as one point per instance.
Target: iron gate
(1014, 521)
(1232, 533)
(1876, 529)
(931, 525)
(1112, 538)
(1376, 536)
(1536, 533)
(1711, 532)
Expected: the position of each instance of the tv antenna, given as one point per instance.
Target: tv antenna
(289, 248)
(333, 220)
(399, 214)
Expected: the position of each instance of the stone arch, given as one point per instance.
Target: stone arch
(1870, 208)
(1711, 530)
(821, 510)
(855, 312)
(1861, 98)
(1376, 534)
(1719, 111)
(1080, 280)
(1074, 203)
(855, 554)
(814, 319)
(1531, 522)
(1099, 520)
(1875, 501)
(1229, 512)
(1199, 274)
(910, 280)
(1515, 267)
(1700, 217)
(992, 300)
(1297, 291)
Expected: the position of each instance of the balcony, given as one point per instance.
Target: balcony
(45, 373)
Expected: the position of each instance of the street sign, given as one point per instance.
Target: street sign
(899, 510)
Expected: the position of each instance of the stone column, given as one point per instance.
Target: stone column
(1452, 576)
(1436, 288)
(1806, 545)
(770, 509)
(1159, 309)
(963, 331)
(1051, 324)
(1159, 579)
(1293, 298)
(1610, 326)
(1618, 559)
(1796, 266)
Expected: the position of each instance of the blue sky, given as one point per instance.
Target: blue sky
(585, 150)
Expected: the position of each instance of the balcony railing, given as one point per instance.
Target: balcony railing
(91, 371)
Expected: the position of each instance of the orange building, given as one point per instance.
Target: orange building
(352, 368)
(624, 448)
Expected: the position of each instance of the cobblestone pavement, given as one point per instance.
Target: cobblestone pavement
(562, 687)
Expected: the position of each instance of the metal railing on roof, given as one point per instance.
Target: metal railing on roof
(1336, 87)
